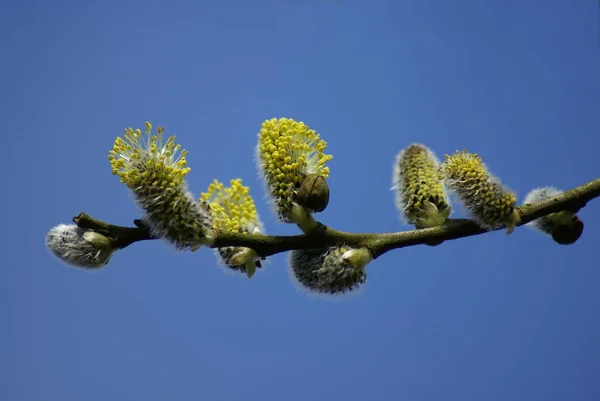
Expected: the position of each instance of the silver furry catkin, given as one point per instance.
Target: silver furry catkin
(564, 227)
(332, 270)
(79, 247)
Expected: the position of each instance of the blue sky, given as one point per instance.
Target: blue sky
(485, 318)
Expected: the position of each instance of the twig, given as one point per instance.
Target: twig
(267, 245)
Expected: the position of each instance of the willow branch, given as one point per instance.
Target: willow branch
(121, 237)
(267, 245)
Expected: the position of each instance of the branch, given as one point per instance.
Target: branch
(267, 245)
(121, 237)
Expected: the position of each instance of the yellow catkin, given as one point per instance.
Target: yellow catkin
(232, 207)
(420, 193)
(233, 210)
(287, 152)
(491, 204)
(154, 170)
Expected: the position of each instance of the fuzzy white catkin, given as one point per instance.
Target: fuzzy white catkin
(329, 270)
(79, 247)
(565, 227)
(544, 224)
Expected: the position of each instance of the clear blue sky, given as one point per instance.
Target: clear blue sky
(486, 318)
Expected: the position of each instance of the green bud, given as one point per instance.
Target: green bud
(239, 259)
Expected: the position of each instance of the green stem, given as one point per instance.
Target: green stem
(121, 237)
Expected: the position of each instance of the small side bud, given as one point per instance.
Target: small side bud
(79, 247)
(568, 234)
(248, 258)
(250, 268)
(564, 227)
(313, 193)
(512, 221)
(243, 256)
(357, 258)
(244, 260)
(334, 270)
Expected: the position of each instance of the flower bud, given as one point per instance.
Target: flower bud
(564, 227)
(334, 270)
(79, 247)
(313, 193)
(491, 204)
